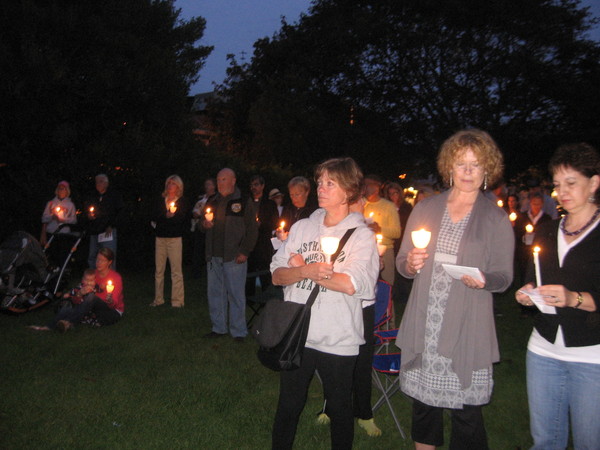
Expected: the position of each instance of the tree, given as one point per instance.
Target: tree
(88, 87)
(411, 73)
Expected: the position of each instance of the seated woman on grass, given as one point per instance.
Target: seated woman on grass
(102, 302)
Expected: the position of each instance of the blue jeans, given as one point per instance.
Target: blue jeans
(95, 246)
(226, 289)
(555, 390)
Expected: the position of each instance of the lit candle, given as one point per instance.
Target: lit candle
(512, 216)
(369, 220)
(500, 203)
(282, 225)
(110, 287)
(329, 245)
(536, 263)
(172, 208)
(420, 239)
(209, 215)
(91, 210)
(529, 228)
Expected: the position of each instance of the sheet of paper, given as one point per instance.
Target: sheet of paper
(458, 271)
(276, 243)
(538, 300)
(103, 237)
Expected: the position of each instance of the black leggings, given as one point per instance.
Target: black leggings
(336, 373)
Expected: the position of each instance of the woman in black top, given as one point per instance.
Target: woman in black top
(563, 357)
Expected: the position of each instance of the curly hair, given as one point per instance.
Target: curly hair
(483, 147)
(346, 173)
(580, 156)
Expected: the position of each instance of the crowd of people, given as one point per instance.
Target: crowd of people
(546, 248)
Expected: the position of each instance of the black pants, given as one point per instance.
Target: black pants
(336, 373)
(105, 315)
(468, 430)
(362, 380)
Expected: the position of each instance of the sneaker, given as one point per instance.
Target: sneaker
(63, 326)
(213, 335)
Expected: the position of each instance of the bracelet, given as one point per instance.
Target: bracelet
(579, 300)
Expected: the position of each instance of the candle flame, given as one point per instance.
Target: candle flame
(536, 249)
(91, 209)
(282, 224)
(421, 238)
(207, 210)
(512, 216)
(500, 203)
(110, 287)
(379, 238)
(371, 214)
(529, 228)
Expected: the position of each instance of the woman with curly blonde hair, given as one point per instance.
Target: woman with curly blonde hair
(447, 334)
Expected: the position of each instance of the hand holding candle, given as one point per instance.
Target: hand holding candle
(329, 245)
(420, 239)
(280, 231)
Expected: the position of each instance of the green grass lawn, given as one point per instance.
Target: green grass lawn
(153, 382)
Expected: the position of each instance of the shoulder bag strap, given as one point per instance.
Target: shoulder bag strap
(315, 291)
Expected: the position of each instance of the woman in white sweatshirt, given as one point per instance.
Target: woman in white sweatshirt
(336, 325)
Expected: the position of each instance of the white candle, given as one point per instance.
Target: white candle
(369, 220)
(420, 239)
(329, 245)
(536, 263)
(209, 215)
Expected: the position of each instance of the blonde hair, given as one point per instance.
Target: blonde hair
(176, 179)
(346, 173)
(483, 147)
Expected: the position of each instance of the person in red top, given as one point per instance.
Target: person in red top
(101, 308)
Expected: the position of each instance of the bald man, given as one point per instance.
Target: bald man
(230, 237)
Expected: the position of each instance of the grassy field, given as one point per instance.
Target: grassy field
(153, 382)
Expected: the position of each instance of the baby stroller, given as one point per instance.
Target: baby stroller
(27, 281)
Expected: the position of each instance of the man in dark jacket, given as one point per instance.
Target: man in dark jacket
(230, 238)
(102, 210)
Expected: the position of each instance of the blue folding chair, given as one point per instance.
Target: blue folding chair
(386, 368)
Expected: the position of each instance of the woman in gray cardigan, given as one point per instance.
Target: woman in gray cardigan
(447, 334)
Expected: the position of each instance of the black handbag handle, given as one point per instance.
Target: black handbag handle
(343, 240)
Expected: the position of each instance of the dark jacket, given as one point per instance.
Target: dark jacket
(580, 273)
(236, 214)
(107, 209)
(170, 227)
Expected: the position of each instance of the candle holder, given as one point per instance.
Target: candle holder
(420, 239)
(329, 245)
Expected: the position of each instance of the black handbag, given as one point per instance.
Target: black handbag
(282, 327)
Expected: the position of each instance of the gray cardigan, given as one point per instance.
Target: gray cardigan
(468, 334)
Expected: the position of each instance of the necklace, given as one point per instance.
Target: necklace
(576, 232)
